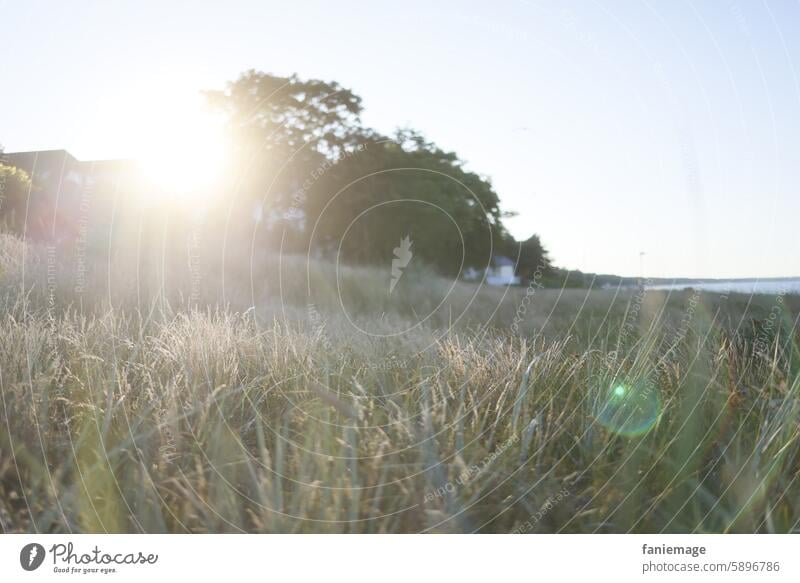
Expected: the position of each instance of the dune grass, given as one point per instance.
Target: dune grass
(283, 394)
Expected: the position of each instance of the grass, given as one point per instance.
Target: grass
(148, 393)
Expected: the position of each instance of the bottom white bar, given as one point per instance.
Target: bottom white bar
(400, 557)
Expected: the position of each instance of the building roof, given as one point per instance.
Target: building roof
(502, 261)
(46, 163)
(41, 161)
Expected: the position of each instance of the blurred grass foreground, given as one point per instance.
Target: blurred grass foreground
(287, 393)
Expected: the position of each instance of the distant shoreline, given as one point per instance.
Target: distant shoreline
(774, 285)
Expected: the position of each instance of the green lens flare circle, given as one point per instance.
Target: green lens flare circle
(629, 409)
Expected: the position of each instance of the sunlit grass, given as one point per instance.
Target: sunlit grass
(139, 410)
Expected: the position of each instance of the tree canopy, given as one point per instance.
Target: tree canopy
(16, 184)
(305, 155)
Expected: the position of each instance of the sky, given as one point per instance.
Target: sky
(612, 128)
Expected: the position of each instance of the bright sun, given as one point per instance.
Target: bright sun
(186, 158)
(181, 147)
(183, 151)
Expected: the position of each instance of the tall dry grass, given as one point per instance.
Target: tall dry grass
(279, 393)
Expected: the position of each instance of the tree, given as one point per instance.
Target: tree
(533, 258)
(15, 184)
(406, 186)
(306, 156)
(282, 128)
(289, 112)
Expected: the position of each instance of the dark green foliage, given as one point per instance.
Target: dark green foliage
(304, 154)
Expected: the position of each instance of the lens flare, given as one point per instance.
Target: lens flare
(629, 409)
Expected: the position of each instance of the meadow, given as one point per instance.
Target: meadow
(186, 392)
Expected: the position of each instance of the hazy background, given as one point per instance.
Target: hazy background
(611, 129)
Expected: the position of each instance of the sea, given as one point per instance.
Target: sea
(740, 286)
